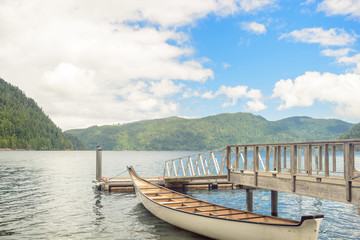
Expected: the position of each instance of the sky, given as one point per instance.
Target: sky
(88, 62)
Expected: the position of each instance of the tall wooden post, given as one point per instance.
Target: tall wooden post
(274, 203)
(98, 163)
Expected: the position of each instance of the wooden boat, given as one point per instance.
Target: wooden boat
(219, 222)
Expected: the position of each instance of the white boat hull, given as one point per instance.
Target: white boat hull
(224, 228)
(227, 229)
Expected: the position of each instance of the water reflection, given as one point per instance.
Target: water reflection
(99, 216)
(318, 204)
(158, 229)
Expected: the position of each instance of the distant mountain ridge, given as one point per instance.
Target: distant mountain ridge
(175, 133)
(23, 124)
(353, 133)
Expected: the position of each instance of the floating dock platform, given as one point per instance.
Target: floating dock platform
(125, 184)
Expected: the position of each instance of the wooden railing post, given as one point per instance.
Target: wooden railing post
(284, 160)
(237, 158)
(275, 159)
(278, 167)
(256, 158)
(334, 158)
(267, 158)
(299, 159)
(293, 169)
(327, 160)
(228, 161)
(321, 158)
(293, 159)
(348, 168)
(245, 158)
(308, 159)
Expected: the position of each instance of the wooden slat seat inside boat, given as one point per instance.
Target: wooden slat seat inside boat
(168, 199)
(188, 204)
(180, 203)
(150, 194)
(165, 195)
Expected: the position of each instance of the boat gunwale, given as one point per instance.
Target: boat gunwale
(299, 223)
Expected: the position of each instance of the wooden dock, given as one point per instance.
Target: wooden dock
(125, 184)
(321, 169)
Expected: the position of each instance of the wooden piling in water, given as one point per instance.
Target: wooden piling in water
(249, 200)
(98, 163)
(274, 203)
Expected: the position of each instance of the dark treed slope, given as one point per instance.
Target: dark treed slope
(208, 133)
(353, 133)
(76, 142)
(23, 125)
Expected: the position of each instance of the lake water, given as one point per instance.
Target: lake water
(49, 195)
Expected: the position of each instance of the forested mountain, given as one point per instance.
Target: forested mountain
(23, 125)
(353, 133)
(211, 132)
(308, 129)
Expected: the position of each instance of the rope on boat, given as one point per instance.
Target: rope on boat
(117, 175)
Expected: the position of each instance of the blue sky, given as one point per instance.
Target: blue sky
(89, 63)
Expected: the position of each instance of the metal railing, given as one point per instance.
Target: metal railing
(202, 164)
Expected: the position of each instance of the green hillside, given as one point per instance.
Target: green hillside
(309, 129)
(353, 133)
(23, 125)
(211, 132)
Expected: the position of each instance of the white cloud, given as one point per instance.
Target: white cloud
(233, 94)
(165, 88)
(254, 27)
(251, 5)
(88, 63)
(226, 65)
(331, 37)
(340, 7)
(67, 81)
(353, 60)
(342, 57)
(342, 90)
(308, 2)
(336, 53)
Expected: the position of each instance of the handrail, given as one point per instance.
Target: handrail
(335, 158)
(200, 164)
